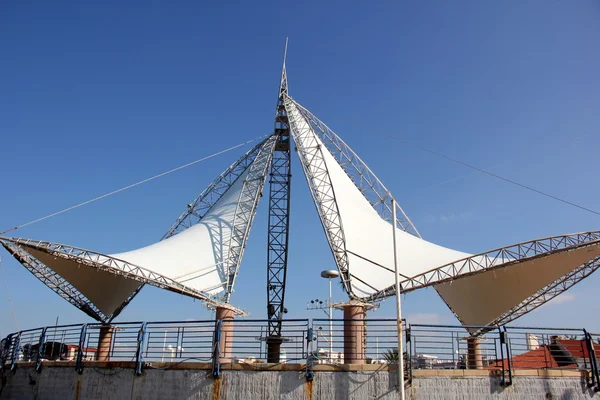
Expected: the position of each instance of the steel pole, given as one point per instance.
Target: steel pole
(398, 308)
(330, 326)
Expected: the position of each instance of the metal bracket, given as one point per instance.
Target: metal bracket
(79, 361)
(139, 353)
(216, 353)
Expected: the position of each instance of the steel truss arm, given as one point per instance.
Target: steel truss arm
(246, 210)
(493, 259)
(101, 262)
(198, 208)
(365, 180)
(321, 188)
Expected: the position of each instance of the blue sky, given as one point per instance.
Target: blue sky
(97, 96)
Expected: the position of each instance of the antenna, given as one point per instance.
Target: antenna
(283, 85)
(285, 52)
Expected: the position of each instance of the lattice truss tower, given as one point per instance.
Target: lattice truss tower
(201, 253)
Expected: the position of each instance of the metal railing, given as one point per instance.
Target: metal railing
(320, 341)
(548, 348)
(452, 347)
(178, 341)
(250, 341)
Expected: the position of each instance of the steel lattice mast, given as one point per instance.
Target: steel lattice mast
(279, 217)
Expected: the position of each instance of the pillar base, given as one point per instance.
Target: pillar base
(474, 355)
(104, 342)
(355, 345)
(226, 341)
(274, 349)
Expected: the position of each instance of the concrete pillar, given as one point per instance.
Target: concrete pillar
(474, 356)
(104, 342)
(354, 333)
(226, 343)
(274, 349)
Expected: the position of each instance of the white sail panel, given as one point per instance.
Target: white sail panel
(368, 238)
(195, 257)
(106, 290)
(479, 299)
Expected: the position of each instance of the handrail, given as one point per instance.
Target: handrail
(309, 342)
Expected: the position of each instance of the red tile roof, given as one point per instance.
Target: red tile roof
(533, 359)
(577, 348)
(543, 357)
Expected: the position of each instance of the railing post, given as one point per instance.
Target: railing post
(139, 353)
(409, 353)
(79, 361)
(505, 343)
(38, 361)
(216, 352)
(309, 373)
(4, 356)
(15, 353)
(595, 380)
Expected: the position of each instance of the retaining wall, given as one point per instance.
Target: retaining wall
(116, 380)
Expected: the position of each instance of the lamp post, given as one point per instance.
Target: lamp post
(330, 274)
(398, 307)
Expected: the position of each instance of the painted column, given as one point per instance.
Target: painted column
(474, 356)
(104, 342)
(354, 333)
(226, 343)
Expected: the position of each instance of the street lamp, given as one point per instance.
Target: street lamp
(330, 274)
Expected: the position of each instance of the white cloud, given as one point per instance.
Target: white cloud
(449, 218)
(562, 299)
(454, 217)
(430, 219)
(425, 318)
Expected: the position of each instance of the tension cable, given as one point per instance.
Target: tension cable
(133, 185)
(483, 171)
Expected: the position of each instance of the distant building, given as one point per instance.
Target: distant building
(321, 356)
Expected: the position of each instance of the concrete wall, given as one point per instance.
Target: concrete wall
(241, 382)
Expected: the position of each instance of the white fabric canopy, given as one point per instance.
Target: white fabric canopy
(196, 256)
